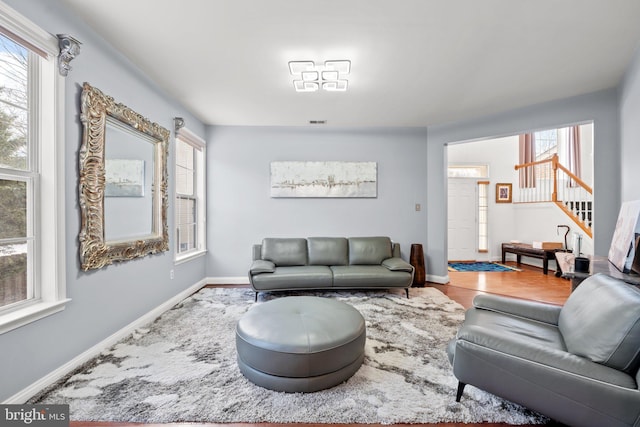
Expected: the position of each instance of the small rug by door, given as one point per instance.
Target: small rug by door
(480, 266)
(182, 368)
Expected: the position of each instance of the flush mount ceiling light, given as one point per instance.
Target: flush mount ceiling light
(310, 77)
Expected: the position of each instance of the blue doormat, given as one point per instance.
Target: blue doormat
(479, 266)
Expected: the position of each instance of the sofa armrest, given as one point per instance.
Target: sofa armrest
(262, 266)
(395, 250)
(397, 264)
(538, 311)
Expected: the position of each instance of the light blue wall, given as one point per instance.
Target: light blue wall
(241, 211)
(106, 300)
(630, 132)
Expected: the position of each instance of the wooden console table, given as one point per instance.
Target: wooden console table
(524, 249)
(597, 264)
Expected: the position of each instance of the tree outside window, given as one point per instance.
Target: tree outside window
(546, 144)
(16, 174)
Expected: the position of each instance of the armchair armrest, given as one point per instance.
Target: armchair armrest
(538, 311)
(534, 357)
(262, 266)
(397, 264)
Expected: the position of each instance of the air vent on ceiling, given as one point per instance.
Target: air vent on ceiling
(317, 122)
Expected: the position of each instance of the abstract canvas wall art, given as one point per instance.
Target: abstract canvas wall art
(622, 250)
(324, 179)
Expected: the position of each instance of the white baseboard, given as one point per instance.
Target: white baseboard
(443, 280)
(31, 390)
(237, 280)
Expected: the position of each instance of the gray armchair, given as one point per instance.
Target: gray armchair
(577, 364)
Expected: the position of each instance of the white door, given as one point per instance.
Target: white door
(462, 222)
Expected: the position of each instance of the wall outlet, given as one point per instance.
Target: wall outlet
(171, 274)
(418, 207)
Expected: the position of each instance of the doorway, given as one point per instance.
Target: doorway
(462, 219)
(521, 219)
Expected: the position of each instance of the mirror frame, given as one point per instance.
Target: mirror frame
(95, 252)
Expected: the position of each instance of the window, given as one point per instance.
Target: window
(483, 216)
(468, 171)
(32, 262)
(546, 144)
(190, 200)
(18, 177)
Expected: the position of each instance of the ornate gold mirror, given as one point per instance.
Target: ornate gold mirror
(123, 183)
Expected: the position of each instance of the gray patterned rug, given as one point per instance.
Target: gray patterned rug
(182, 368)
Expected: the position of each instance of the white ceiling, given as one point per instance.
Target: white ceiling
(414, 62)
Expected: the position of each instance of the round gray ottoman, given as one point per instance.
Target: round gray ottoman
(300, 344)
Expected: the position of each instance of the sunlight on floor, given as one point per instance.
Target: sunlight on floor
(482, 282)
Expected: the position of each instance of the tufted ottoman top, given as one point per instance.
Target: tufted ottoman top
(300, 337)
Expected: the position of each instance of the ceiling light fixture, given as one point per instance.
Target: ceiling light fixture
(310, 77)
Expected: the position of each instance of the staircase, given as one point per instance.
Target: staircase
(582, 210)
(549, 181)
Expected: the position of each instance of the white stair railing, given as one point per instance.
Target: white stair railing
(549, 181)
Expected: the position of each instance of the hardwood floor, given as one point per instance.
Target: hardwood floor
(529, 283)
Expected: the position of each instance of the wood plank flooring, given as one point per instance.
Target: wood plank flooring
(529, 283)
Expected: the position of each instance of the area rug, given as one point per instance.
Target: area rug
(182, 368)
(480, 266)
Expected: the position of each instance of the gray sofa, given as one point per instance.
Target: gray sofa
(281, 264)
(577, 364)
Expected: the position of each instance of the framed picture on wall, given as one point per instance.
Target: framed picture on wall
(503, 193)
(324, 179)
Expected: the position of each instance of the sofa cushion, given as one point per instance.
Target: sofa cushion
(368, 276)
(285, 251)
(369, 250)
(297, 277)
(601, 321)
(328, 251)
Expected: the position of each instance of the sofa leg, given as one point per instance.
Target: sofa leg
(407, 291)
(460, 390)
(256, 300)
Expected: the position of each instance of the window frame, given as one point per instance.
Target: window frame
(184, 135)
(483, 216)
(467, 170)
(46, 139)
(551, 149)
